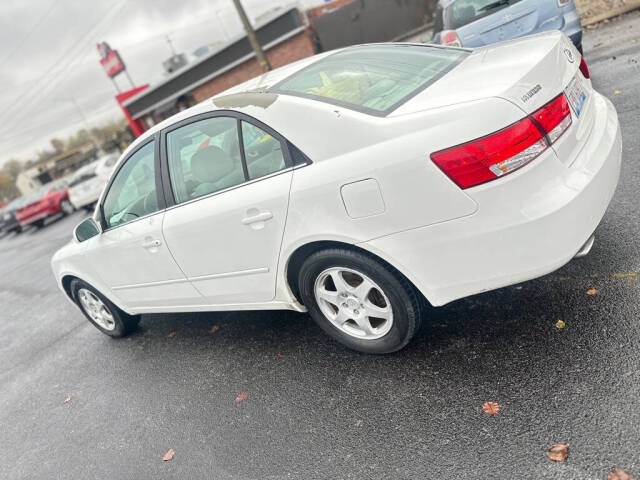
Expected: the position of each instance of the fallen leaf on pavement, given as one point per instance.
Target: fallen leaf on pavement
(242, 396)
(560, 324)
(616, 92)
(619, 474)
(592, 291)
(169, 455)
(491, 408)
(558, 452)
(214, 329)
(625, 275)
(171, 335)
(68, 399)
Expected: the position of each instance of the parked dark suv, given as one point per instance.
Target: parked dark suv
(8, 221)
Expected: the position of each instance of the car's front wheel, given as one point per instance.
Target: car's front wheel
(66, 207)
(360, 302)
(102, 313)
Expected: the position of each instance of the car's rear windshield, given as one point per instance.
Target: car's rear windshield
(462, 12)
(374, 79)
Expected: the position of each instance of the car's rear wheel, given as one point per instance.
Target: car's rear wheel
(360, 302)
(102, 313)
(67, 207)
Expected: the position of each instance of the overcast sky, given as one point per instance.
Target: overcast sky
(48, 57)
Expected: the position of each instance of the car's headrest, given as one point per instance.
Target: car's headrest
(211, 164)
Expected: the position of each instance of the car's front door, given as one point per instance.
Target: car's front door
(130, 255)
(230, 182)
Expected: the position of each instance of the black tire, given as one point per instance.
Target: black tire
(39, 223)
(66, 207)
(402, 295)
(124, 323)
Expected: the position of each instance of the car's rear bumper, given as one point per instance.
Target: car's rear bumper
(572, 27)
(526, 226)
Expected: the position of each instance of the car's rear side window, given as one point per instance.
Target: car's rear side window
(204, 157)
(263, 153)
(374, 79)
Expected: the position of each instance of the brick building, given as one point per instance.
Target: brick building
(285, 37)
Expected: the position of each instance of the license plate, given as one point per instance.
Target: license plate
(576, 95)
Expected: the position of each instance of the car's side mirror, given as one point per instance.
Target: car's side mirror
(86, 230)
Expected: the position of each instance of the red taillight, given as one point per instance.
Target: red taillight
(506, 150)
(554, 117)
(450, 38)
(583, 68)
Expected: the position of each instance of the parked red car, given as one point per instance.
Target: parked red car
(52, 199)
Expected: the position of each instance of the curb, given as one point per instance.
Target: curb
(611, 13)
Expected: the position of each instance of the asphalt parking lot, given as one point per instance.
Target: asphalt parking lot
(316, 410)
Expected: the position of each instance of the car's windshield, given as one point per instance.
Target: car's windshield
(374, 79)
(83, 175)
(462, 12)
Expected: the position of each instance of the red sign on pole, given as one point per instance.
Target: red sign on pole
(110, 60)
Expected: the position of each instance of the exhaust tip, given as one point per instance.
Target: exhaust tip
(586, 248)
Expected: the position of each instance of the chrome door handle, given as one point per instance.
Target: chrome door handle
(152, 243)
(260, 217)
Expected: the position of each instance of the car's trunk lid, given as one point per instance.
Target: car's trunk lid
(527, 72)
(512, 21)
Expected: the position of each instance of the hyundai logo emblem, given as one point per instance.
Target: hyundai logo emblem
(569, 55)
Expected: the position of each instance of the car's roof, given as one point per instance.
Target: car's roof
(292, 116)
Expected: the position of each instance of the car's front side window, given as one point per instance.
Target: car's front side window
(204, 157)
(263, 152)
(133, 192)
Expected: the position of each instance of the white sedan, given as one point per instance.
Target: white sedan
(89, 181)
(361, 185)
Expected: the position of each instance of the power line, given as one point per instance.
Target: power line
(6, 140)
(20, 43)
(60, 63)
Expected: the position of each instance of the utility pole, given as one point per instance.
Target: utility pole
(173, 52)
(84, 120)
(260, 56)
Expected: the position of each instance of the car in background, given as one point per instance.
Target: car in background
(89, 181)
(105, 164)
(51, 199)
(8, 221)
(476, 23)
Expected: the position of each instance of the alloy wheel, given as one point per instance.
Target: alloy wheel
(66, 207)
(96, 309)
(353, 303)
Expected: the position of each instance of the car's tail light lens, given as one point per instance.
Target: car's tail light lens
(450, 38)
(583, 68)
(506, 150)
(554, 117)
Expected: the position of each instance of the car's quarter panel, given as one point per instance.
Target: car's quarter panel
(528, 223)
(227, 256)
(414, 192)
(140, 272)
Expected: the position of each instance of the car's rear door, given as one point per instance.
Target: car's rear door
(228, 178)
